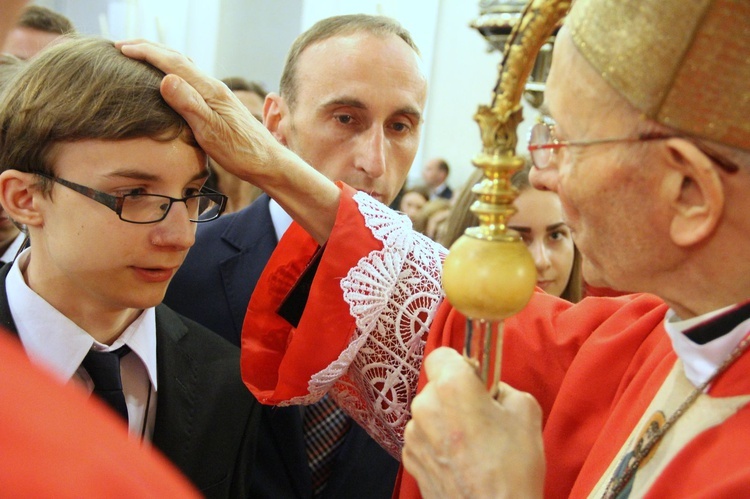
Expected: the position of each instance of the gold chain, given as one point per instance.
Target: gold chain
(618, 483)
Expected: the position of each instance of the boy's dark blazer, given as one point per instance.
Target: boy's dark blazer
(206, 419)
(239, 245)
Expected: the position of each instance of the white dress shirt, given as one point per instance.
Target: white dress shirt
(281, 219)
(56, 343)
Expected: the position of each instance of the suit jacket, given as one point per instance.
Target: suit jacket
(213, 287)
(445, 193)
(206, 420)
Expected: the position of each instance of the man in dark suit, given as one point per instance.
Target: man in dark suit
(201, 403)
(435, 175)
(238, 246)
(353, 121)
(111, 217)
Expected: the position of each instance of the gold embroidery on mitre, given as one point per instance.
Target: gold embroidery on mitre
(683, 63)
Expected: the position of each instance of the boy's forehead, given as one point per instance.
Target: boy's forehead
(141, 158)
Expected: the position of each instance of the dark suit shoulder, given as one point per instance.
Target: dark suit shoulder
(446, 193)
(203, 357)
(198, 336)
(233, 228)
(206, 419)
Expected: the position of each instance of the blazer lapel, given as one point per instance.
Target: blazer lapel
(253, 236)
(286, 432)
(5, 316)
(177, 376)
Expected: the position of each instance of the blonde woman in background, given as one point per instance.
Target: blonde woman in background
(413, 200)
(540, 223)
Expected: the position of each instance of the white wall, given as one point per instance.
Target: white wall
(190, 26)
(247, 38)
(463, 76)
(254, 37)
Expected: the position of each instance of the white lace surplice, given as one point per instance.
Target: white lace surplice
(393, 295)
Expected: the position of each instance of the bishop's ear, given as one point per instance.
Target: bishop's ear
(696, 193)
(19, 195)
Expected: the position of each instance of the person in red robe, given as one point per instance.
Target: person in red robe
(644, 395)
(59, 442)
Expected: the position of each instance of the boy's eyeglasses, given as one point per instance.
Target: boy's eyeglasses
(205, 206)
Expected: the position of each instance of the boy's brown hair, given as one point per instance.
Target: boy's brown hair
(82, 88)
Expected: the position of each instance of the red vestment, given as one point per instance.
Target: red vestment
(59, 442)
(594, 367)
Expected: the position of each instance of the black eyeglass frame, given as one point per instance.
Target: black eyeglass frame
(115, 203)
(555, 144)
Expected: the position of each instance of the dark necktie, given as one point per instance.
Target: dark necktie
(104, 369)
(324, 426)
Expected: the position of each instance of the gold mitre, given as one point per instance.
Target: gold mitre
(683, 63)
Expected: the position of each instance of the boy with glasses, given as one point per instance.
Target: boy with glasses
(109, 181)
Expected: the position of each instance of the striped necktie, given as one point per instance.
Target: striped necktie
(324, 426)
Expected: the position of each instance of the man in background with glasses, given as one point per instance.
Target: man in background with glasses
(644, 395)
(108, 181)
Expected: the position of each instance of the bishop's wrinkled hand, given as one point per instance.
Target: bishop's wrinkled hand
(222, 125)
(463, 443)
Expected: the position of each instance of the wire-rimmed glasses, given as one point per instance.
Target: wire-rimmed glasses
(543, 143)
(137, 208)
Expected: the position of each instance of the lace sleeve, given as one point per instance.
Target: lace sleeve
(393, 295)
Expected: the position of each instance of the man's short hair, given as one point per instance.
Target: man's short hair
(237, 83)
(443, 166)
(332, 27)
(44, 19)
(81, 88)
(10, 65)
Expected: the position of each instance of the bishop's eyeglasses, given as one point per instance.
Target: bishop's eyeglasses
(543, 144)
(139, 208)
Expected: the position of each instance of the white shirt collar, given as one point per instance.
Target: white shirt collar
(701, 361)
(281, 220)
(55, 342)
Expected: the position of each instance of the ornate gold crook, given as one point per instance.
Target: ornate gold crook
(489, 274)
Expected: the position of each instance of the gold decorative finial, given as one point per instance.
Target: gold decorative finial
(489, 274)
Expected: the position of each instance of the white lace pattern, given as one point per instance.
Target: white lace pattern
(393, 295)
